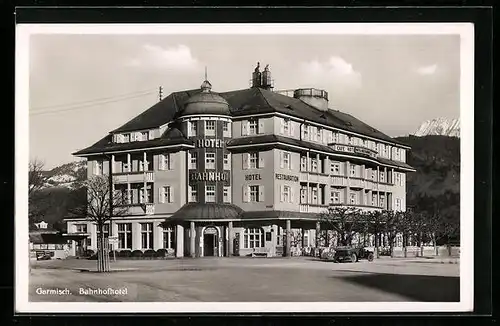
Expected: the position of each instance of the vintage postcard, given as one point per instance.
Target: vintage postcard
(244, 167)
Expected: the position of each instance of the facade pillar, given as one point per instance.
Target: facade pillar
(230, 249)
(318, 230)
(145, 185)
(288, 238)
(192, 238)
(303, 238)
(179, 241)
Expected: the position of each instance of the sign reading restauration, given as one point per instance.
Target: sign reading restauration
(287, 177)
(209, 176)
(209, 143)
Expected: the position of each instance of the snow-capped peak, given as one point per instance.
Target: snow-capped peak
(439, 126)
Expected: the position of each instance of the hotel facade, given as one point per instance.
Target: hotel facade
(222, 174)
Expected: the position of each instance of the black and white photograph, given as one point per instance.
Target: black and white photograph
(244, 167)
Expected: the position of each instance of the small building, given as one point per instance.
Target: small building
(48, 243)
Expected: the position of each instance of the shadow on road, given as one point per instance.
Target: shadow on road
(417, 287)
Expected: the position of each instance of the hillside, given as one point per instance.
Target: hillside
(436, 184)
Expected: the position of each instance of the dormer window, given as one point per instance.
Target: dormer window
(126, 138)
(144, 135)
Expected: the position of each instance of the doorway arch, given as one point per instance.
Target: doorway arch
(211, 236)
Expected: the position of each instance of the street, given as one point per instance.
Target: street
(300, 279)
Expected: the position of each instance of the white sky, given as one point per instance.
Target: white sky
(392, 82)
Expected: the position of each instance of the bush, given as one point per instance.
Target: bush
(149, 253)
(125, 253)
(116, 254)
(92, 257)
(137, 253)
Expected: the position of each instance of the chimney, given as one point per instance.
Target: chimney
(267, 82)
(257, 76)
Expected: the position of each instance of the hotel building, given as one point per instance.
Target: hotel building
(221, 174)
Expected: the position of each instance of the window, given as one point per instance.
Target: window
(253, 238)
(382, 176)
(168, 238)
(192, 163)
(352, 198)
(286, 127)
(210, 194)
(145, 197)
(397, 176)
(167, 194)
(143, 165)
(126, 138)
(303, 195)
(349, 140)
(303, 163)
(226, 194)
(374, 200)
(319, 135)
(98, 168)
(286, 194)
(314, 165)
(353, 170)
(254, 193)
(125, 235)
(147, 236)
(81, 228)
(227, 165)
(193, 128)
(335, 197)
(59, 246)
(382, 200)
(105, 230)
(144, 135)
(305, 132)
(254, 160)
(209, 160)
(193, 189)
(165, 161)
(398, 204)
(286, 160)
(225, 126)
(335, 137)
(210, 128)
(335, 168)
(374, 175)
(314, 195)
(253, 126)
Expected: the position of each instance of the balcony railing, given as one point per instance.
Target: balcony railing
(356, 183)
(134, 177)
(338, 181)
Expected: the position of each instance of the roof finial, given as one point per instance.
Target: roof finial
(258, 67)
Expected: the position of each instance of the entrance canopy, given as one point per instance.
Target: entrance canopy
(208, 211)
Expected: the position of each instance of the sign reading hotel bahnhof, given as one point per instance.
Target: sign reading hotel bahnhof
(209, 176)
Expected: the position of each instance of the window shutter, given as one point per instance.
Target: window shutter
(290, 156)
(245, 194)
(261, 161)
(171, 161)
(245, 160)
(161, 195)
(261, 126)
(244, 128)
(282, 126)
(151, 134)
(94, 168)
(282, 161)
(161, 164)
(282, 193)
(292, 195)
(261, 193)
(291, 128)
(171, 195)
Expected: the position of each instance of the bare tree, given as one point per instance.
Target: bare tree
(37, 198)
(98, 208)
(345, 221)
(36, 179)
(376, 225)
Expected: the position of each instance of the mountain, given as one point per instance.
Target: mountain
(439, 126)
(66, 175)
(435, 186)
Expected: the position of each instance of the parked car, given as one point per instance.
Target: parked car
(352, 254)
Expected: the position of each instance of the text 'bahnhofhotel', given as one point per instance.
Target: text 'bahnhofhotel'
(219, 174)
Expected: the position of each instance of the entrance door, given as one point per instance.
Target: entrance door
(209, 245)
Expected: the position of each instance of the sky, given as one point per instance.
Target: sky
(83, 86)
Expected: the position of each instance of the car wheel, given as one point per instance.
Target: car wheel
(370, 257)
(354, 258)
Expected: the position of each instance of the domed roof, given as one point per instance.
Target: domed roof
(205, 102)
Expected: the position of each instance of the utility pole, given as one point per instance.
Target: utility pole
(160, 93)
(111, 196)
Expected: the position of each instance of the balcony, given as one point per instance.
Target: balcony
(338, 181)
(356, 183)
(134, 177)
(140, 209)
(305, 208)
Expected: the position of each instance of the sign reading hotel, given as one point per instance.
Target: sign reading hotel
(253, 177)
(209, 176)
(209, 143)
